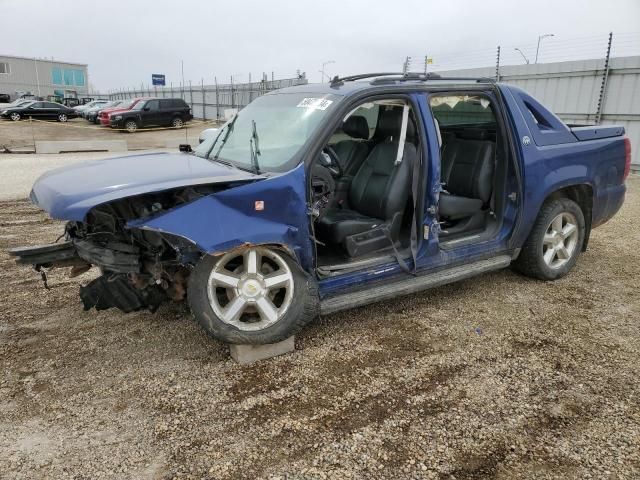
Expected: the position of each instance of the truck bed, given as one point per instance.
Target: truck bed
(594, 132)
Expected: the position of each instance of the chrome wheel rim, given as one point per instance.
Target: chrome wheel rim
(560, 240)
(62, 117)
(15, 117)
(131, 126)
(177, 122)
(250, 289)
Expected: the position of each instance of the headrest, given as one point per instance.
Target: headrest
(390, 123)
(473, 134)
(356, 127)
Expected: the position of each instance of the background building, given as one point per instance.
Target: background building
(42, 77)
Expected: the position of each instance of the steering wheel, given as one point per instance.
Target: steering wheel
(323, 187)
(331, 161)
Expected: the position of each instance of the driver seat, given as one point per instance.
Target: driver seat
(380, 189)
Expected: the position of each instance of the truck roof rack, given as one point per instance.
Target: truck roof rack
(379, 78)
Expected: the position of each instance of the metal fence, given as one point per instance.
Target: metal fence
(210, 102)
(581, 92)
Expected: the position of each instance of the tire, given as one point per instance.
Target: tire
(205, 294)
(15, 116)
(130, 126)
(63, 117)
(177, 122)
(548, 255)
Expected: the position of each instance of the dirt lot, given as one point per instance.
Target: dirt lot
(495, 377)
(21, 135)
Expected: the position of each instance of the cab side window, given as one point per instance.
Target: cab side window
(153, 105)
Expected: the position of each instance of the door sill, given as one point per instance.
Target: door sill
(408, 285)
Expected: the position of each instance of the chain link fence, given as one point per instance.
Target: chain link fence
(213, 101)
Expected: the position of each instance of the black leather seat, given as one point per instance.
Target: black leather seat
(468, 163)
(352, 153)
(380, 189)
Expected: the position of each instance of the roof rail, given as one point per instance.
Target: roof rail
(405, 77)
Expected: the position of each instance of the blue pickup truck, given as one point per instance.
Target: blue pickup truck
(319, 198)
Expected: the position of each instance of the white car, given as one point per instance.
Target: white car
(208, 133)
(95, 103)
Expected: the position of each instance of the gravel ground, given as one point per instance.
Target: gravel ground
(495, 377)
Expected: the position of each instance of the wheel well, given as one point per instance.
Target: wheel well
(583, 196)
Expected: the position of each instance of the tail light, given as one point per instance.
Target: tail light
(627, 157)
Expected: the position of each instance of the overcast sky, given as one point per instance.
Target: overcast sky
(125, 41)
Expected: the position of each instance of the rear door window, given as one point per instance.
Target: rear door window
(153, 105)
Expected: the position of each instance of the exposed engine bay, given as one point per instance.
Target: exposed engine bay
(140, 269)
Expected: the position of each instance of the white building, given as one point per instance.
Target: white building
(42, 77)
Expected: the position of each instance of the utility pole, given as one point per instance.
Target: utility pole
(35, 64)
(182, 68)
(324, 64)
(523, 55)
(540, 39)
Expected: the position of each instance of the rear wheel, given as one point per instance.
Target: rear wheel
(555, 241)
(130, 126)
(257, 295)
(177, 122)
(15, 116)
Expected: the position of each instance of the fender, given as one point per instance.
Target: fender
(229, 219)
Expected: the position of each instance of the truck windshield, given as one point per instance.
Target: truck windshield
(285, 122)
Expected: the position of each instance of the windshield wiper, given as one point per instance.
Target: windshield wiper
(254, 145)
(224, 139)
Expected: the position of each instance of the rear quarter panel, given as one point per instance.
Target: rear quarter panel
(548, 166)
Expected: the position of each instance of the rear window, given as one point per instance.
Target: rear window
(172, 103)
(451, 110)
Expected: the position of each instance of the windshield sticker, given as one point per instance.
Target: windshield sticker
(315, 103)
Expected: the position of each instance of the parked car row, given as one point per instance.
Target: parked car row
(135, 113)
(130, 115)
(38, 110)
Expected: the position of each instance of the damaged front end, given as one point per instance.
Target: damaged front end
(146, 245)
(140, 269)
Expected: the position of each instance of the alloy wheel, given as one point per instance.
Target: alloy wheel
(250, 290)
(62, 117)
(177, 123)
(131, 126)
(15, 116)
(560, 240)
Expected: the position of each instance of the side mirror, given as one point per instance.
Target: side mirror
(185, 148)
(146, 109)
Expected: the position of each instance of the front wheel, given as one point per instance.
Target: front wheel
(15, 116)
(257, 295)
(177, 122)
(555, 241)
(130, 126)
(62, 117)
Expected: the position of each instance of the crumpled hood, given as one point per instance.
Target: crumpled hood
(68, 193)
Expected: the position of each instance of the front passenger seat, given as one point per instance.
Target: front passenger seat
(380, 189)
(353, 152)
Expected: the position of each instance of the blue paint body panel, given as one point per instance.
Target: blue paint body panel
(229, 219)
(548, 156)
(69, 192)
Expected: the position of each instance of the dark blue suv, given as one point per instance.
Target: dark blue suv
(319, 198)
(153, 112)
